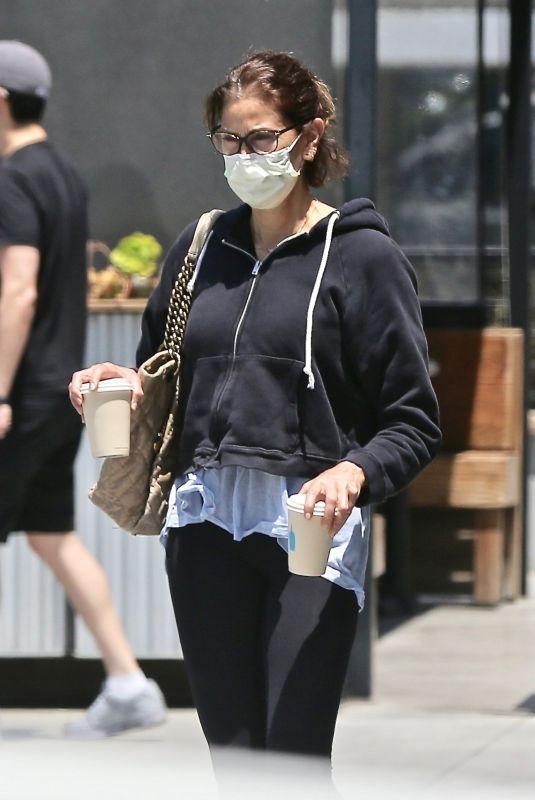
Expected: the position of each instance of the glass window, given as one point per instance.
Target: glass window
(427, 114)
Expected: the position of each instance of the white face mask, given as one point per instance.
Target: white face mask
(262, 181)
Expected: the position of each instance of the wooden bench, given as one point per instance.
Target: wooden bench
(479, 384)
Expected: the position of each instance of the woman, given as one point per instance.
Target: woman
(304, 370)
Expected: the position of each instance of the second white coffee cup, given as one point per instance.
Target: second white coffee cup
(309, 542)
(107, 417)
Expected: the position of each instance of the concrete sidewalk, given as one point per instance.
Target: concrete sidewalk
(453, 717)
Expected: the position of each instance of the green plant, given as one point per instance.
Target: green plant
(137, 254)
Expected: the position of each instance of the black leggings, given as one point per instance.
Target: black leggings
(266, 651)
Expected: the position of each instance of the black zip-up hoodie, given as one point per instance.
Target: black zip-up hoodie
(251, 397)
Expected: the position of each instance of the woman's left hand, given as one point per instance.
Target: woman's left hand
(339, 487)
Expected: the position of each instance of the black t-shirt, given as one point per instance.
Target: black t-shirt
(43, 204)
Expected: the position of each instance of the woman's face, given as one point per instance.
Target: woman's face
(242, 115)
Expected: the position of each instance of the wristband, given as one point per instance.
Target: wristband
(4, 401)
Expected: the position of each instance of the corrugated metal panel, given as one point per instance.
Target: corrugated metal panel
(32, 607)
(32, 611)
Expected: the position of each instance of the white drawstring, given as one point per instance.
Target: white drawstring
(191, 283)
(313, 298)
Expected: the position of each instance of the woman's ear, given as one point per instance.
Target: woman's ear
(313, 131)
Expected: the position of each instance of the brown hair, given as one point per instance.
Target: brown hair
(299, 95)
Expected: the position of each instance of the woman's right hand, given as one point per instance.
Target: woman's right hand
(99, 372)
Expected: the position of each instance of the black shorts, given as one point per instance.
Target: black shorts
(37, 466)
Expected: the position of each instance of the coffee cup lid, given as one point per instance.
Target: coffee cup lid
(296, 502)
(109, 385)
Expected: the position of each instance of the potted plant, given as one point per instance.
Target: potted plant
(137, 257)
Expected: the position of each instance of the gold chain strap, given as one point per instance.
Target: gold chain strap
(181, 296)
(179, 306)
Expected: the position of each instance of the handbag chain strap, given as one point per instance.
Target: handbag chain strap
(181, 296)
(179, 306)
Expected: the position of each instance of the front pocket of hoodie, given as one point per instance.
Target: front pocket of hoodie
(257, 405)
(207, 378)
(320, 431)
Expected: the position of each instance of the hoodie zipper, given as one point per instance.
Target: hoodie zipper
(257, 264)
(256, 268)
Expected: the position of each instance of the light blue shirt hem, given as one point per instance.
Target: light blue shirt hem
(244, 501)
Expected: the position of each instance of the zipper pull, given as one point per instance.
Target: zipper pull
(256, 267)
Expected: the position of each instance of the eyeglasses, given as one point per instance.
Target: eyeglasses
(259, 142)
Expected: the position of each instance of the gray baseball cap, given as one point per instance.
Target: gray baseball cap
(23, 69)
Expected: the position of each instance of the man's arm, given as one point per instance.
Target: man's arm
(19, 268)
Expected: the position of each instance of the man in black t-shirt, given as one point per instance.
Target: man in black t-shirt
(43, 232)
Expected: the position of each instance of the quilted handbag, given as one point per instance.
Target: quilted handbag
(134, 491)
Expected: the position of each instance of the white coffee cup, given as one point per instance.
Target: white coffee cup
(309, 542)
(106, 411)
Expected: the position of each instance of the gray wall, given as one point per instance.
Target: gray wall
(130, 81)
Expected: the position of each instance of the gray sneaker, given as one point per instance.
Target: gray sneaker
(108, 715)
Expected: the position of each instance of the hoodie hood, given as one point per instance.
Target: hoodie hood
(357, 214)
(353, 215)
